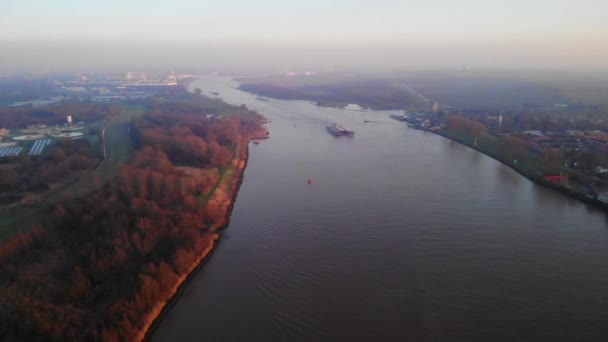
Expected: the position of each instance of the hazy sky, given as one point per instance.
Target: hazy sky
(552, 32)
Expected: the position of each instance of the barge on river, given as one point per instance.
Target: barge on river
(339, 131)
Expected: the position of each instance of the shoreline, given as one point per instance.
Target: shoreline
(537, 181)
(325, 103)
(163, 307)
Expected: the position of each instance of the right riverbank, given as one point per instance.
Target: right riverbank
(530, 167)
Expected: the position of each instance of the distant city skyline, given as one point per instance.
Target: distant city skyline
(553, 33)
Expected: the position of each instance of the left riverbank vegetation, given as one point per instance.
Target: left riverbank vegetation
(48, 151)
(54, 152)
(97, 265)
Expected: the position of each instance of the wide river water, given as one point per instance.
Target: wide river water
(403, 235)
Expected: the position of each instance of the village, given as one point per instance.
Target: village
(568, 153)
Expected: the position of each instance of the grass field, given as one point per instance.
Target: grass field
(526, 163)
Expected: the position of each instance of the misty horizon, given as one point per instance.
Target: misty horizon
(266, 35)
(123, 55)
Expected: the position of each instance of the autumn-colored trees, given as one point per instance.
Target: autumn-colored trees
(99, 264)
(190, 139)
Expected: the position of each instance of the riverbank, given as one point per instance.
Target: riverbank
(154, 220)
(226, 199)
(537, 179)
(261, 132)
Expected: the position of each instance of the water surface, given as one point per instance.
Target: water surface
(403, 235)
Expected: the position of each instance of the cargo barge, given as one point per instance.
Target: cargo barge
(339, 131)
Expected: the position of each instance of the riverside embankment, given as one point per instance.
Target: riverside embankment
(225, 195)
(534, 174)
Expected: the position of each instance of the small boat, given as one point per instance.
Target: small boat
(262, 99)
(215, 93)
(256, 142)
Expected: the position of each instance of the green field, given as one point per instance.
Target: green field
(526, 164)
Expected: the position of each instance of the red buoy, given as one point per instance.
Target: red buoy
(309, 181)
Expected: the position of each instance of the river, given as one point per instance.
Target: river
(402, 235)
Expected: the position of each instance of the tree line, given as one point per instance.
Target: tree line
(99, 264)
(20, 117)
